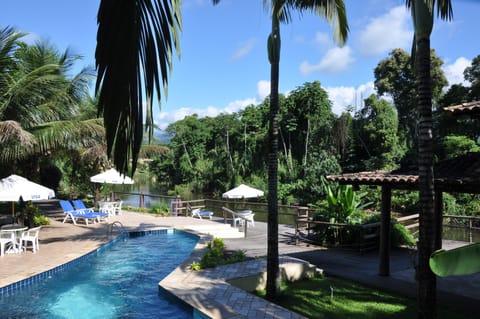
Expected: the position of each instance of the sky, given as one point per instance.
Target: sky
(224, 65)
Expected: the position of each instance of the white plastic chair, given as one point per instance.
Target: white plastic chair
(107, 207)
(118, 207)
(30, 236)
(6, 238)
(241, 218)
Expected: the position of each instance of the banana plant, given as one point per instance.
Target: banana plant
(342, 202)
(459, 261)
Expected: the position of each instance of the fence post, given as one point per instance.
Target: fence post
(470, 226)
(142, 200)
(178, 205)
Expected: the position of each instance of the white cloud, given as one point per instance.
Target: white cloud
(263, 90)
(454, 71)
(238, 105)
(345, 96)
(384, 33)
(341, 98)
(335, 60)
(163, 119)
(244, 49)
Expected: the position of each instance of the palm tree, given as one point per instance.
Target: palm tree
(423, 13)
(133, 57)
(281, 10)
(38, 101)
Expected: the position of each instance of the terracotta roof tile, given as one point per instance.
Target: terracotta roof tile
(461, 173)
(470, 108)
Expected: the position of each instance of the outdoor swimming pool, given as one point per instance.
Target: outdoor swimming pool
(120, 281)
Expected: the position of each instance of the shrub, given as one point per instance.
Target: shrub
(216, 255)
(401, 236)
(195, 266)
(160, 208)
(40, 220)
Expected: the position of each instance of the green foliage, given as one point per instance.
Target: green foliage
(395, 76)
(341, 202)
(463, 260)
(401, 236)
(40, 220)
(29, 212)
(453, 146)
(215, 255)
(377, 145)
(195, 266)
(461, 204)
(160, 209)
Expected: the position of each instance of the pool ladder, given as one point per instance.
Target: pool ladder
(115, 226)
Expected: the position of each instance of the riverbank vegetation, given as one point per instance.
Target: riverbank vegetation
(212, 154)
(50, 133)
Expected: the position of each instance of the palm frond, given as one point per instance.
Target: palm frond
(333, 11)
(69, 134)
(15, 142)
(134, 50)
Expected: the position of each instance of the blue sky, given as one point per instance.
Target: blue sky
(224, 66)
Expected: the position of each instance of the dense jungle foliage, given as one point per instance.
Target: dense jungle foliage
(50, 132)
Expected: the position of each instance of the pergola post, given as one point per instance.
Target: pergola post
(384, 268)
(438, 219)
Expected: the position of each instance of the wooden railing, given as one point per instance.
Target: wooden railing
(367, 234)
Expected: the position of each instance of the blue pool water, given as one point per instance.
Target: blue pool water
(120, 281)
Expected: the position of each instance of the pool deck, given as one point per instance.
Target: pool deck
(208, 290)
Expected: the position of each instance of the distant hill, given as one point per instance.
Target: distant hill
(160, 137)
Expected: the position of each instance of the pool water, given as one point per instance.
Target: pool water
(120, 281)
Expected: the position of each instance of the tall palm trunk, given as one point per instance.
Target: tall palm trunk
(273, 273)
(426, 243)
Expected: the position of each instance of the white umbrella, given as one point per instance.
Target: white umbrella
(243, 191)
(13, 187)
(112, 176)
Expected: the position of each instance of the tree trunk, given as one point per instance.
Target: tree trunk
(273, 273)
(306, 143)
(426, 242)
(285, 151)
(229, 153)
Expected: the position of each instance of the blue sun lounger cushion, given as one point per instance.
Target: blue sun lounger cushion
(74, 215)
(80, 206)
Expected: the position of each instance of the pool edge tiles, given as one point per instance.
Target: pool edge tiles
(11, 288)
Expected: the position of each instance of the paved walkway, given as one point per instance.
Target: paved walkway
(208, 290)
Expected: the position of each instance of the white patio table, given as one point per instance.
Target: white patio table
(17, 230)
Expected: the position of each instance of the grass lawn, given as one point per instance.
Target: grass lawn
(312, 298)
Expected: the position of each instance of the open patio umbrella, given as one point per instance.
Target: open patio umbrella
(13, 187)
(243, 191)
(112, 176)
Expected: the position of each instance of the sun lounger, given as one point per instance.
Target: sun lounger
(74, 215)
(80, 207)
(197, 212)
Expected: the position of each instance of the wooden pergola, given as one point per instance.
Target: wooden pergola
(457, 175)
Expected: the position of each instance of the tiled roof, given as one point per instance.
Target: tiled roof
(460, 174)
(470, 108)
